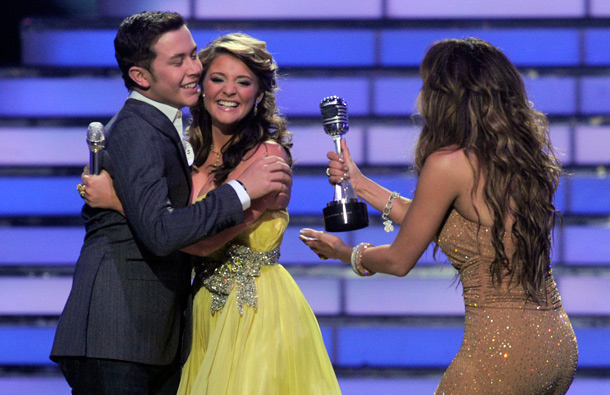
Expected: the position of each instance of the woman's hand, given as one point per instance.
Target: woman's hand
(343, 167)
(99, 191)
(326, 245)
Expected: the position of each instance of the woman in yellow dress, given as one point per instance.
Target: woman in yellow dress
(254, 332)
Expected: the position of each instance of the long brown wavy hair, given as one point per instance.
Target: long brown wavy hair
(263, 123)
(473, 98)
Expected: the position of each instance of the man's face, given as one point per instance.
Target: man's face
(175, 72)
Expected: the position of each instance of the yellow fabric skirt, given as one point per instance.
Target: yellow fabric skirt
(275, 349)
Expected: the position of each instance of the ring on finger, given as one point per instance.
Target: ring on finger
(81, 190)
(328, 171)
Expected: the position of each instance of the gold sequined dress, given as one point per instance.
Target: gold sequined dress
(511, 345)
(253, 330)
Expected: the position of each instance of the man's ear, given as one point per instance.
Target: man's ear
(140, 76)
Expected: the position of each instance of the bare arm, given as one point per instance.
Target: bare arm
(99, 191)
(271, 201)
(440, 183)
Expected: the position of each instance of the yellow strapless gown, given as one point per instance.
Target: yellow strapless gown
(275, 345)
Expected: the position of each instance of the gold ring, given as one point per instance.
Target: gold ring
(328, 171)
(81, 190)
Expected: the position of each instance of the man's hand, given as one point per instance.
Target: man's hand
(270, 174)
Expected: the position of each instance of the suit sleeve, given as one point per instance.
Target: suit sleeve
(137, 152)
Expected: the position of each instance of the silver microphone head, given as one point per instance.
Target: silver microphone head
(95, 137)
(334, 116)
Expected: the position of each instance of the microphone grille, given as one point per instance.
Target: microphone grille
(334, 115)
(95, 132)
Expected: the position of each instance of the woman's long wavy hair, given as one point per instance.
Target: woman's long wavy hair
(473, 98)
(263, 123)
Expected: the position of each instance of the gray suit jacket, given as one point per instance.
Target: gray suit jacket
(130, 296)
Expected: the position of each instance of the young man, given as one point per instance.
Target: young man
(127, 318)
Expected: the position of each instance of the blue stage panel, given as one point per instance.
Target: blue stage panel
(593, 347)
(590, 195)
(599, 8)
(121, 8)
(43, 146)
(524, 47)
(583, 295)
(552, 95)
(591, 145)
(392, 144)
(595, 95)
(302, 96)
(62, 97)
(322, 293)
(319, 48)
(80, 48)
(486, 9)
(33, 295)
(25, 345)
(311, 145)
(398, 346)
(597, 47)
(40, 246)
(396, 96)
(39, 196)
(307, 48)
(426, 291)
(272, 9)
(587, 245)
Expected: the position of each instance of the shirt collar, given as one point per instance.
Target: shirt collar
(174, 115)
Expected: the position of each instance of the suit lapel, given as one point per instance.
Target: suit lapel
(157, 119)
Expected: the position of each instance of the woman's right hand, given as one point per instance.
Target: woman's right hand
(343, 167)
(99, 191)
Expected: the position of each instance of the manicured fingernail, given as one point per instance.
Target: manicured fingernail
(302, 231)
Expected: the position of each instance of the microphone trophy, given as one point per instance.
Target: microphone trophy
(96, 142)
(345, 212)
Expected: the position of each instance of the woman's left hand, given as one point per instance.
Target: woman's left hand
(326, 245)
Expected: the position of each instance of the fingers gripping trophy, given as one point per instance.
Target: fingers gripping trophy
(345, 212)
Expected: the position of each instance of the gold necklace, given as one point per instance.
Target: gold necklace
(217, 161)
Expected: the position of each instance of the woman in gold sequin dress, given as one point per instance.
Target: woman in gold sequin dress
(487, 179)
(253, 331)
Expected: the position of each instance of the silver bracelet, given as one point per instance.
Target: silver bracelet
(356, 260)
(385, 215)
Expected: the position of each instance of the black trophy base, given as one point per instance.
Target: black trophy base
(342, 216)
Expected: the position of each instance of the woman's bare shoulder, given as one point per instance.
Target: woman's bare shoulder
(267, 148)
(448, 159)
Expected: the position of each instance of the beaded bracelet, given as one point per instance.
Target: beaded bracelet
(356, 260)
(385, 215)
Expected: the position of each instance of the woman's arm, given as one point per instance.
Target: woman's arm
(271, 201)
(441, 181)
(367, 189)
(99, 191)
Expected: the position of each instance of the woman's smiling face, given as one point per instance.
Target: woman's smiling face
(230, 90)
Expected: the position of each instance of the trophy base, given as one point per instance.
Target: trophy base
(340, 216)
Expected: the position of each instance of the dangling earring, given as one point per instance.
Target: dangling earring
(203, 96)
(256, 107)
